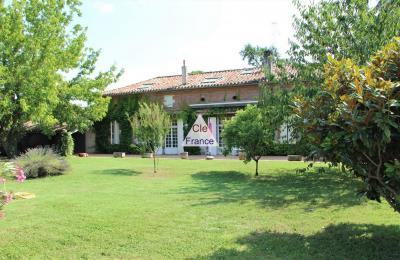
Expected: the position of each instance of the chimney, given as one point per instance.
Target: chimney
(267, 61)
(184, 73)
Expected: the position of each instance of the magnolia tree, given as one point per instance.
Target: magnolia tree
(248, 132)
(8, 169)
(344, 29)
(150, 125)
(355, 121)
(47, 74)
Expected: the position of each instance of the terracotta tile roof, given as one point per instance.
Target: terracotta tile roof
(202, 80)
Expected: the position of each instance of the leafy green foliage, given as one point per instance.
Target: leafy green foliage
(66, 144)
(283, 149)
(42, 162)
(354, 120)
(342, 29)
(7, 169)
(39, 45)
(248, 132)
(275, 95)
(117, 111)
(195, 72)
(150, 125)
(258, 56)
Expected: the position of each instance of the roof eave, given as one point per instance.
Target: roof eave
(185, 87)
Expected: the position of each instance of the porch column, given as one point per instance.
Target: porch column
(180, 135)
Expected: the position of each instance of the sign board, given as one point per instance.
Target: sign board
(200, 134)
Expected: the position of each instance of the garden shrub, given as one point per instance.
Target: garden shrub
(354, 121)
(66, 144)
(283, 149)
(129, 149)
(277, 149)
(194, 150)
(42, 162)
(134, 149)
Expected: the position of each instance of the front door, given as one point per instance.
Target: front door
(171, 140)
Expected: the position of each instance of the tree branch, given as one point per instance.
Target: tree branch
(369, 159)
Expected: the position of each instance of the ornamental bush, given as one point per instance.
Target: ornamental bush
(42, 162)
(355, 121)
(8, 169)
(247, 131)
(66, 144)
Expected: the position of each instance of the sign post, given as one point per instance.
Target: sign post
(200, 135)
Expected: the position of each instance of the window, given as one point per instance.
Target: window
(211, 80)
(145, 86)
(248, 71)
(115, 132)
(171, 140)
(169, 101)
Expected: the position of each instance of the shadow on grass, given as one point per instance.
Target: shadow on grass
(283, 188)
(120, 172)
(343, 241)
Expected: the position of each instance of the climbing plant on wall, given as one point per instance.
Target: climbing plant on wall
(117, 111)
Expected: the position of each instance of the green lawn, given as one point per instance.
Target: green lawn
(116, 208)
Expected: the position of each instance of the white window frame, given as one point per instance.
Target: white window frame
(115, 132)
(171, 139)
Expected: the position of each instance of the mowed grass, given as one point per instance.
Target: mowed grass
(117, 208)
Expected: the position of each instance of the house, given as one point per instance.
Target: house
(216, 94)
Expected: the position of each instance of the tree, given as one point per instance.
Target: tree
(46, 72)
(342, 29)
(355, 121)
(257, 56)
(247, 131)
(150, 125)
(275, 91)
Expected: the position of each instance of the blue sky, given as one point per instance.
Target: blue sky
(151, 38)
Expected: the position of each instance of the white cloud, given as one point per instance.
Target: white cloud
(103, 7)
